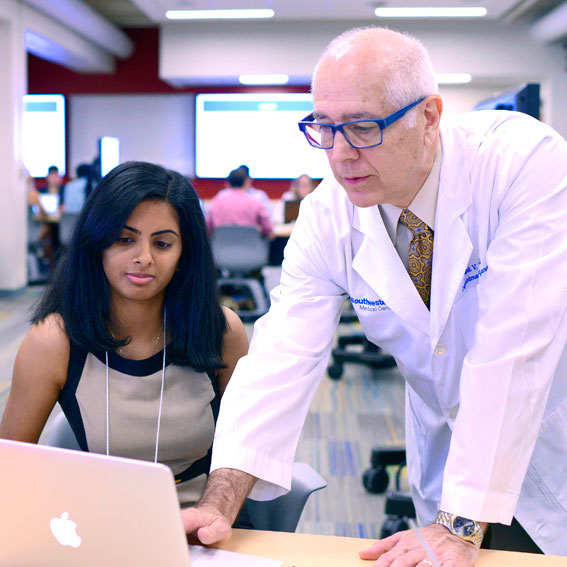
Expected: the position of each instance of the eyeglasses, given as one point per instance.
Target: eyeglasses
(359, 134)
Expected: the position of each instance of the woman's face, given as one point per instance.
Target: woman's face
(141, 262)
(304, 186)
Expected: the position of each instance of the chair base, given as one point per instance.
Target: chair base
(247, 297)
(370, 354)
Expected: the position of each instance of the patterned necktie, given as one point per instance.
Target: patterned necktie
(420, 253)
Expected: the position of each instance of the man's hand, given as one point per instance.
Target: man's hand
(207, 525)
(222, 499)
(403, 549)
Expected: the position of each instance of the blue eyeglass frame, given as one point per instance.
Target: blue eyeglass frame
(382, 123)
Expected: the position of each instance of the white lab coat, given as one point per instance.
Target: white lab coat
(479, 366)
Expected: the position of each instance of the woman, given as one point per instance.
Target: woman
(129, 336)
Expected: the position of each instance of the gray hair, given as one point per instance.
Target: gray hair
(409, 73)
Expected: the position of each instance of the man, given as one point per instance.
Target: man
(233, 206)
(478, 330)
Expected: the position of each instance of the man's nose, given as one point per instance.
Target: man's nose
(341, 149)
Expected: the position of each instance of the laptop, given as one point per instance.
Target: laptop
(291, 210)
(60, 507)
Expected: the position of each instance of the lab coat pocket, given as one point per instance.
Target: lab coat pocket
(549, 459)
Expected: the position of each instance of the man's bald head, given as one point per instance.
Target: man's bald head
(397, 64)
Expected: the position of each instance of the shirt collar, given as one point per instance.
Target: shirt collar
(423, 204)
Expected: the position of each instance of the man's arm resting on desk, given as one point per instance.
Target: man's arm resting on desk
(224, 495)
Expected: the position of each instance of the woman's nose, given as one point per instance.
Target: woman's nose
(143, 254)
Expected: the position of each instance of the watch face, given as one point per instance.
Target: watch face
(464, 526)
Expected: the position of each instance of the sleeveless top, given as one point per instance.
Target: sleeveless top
(189, 413)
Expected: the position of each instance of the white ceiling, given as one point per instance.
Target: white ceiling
(132, 13)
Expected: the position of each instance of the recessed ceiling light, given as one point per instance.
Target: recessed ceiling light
(264, 79)
(218, 14)
(432, 12)
(453, 78)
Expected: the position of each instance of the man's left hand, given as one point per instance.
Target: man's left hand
(403, 549)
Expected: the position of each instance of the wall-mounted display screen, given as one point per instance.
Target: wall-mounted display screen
(109, 152)
(257, 130)
(43, 133)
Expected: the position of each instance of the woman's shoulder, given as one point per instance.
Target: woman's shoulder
(45, 349)
(48, 338)
(234, 324)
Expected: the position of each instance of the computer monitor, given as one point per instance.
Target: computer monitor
(522, 98)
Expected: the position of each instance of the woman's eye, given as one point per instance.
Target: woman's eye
(162, 244)
(124, 239)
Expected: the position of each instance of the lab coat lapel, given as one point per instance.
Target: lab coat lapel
(452, 244)
(378, 263)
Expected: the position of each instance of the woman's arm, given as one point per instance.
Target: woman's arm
(40, 372)
(235, 346)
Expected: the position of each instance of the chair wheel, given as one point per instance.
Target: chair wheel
(335, 371)
(392, 525)
(376, 480)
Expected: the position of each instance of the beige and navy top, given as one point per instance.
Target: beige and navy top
(189, 413)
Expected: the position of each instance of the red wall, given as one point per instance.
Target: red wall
(138, 74)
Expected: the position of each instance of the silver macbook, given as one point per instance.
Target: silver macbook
(61, 507)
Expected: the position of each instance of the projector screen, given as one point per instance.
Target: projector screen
(43, 133)
(257, 130)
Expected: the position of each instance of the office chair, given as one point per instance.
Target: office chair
(283, 513)
(279, 515)
(239, 251)
(364, 352)
(399, 505)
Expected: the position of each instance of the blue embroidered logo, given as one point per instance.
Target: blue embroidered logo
(476, 267)
(366, 304)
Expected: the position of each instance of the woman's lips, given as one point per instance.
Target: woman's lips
(139, 278)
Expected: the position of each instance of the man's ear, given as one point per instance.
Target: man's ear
(432, 113)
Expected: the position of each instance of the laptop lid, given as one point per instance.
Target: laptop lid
(291, 210)
(61, 508)
(49, 202)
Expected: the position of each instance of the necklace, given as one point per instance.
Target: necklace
(155, 344)
(160, 395)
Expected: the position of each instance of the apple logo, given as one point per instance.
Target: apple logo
(64, 530)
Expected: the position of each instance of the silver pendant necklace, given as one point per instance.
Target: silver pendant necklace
(160, 395)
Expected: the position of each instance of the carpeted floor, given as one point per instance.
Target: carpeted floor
(346, 419)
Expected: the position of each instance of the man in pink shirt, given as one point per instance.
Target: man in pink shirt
(234, 206)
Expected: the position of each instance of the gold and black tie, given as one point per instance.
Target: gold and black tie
(420, 253)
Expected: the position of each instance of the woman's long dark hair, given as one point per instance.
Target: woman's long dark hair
(79, 290)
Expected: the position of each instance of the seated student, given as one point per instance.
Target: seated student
(299, 188)
(233, 206)
(129, 336)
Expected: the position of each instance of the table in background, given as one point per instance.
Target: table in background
(305, 550)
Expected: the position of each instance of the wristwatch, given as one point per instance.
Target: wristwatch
(466, 529)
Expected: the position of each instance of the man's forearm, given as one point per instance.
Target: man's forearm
(226, 492)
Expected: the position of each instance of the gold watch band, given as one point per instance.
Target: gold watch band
(463, 528)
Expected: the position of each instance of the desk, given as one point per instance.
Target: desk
(304, 550)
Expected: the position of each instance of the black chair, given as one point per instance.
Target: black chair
(376, 479)
(356, 348)
(241, 251)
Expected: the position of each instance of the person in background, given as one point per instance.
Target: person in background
(262, 196)
(299, 188)
(449, 238)
(77, 190)
(130, 333)
(234, 206)
(47, 212)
